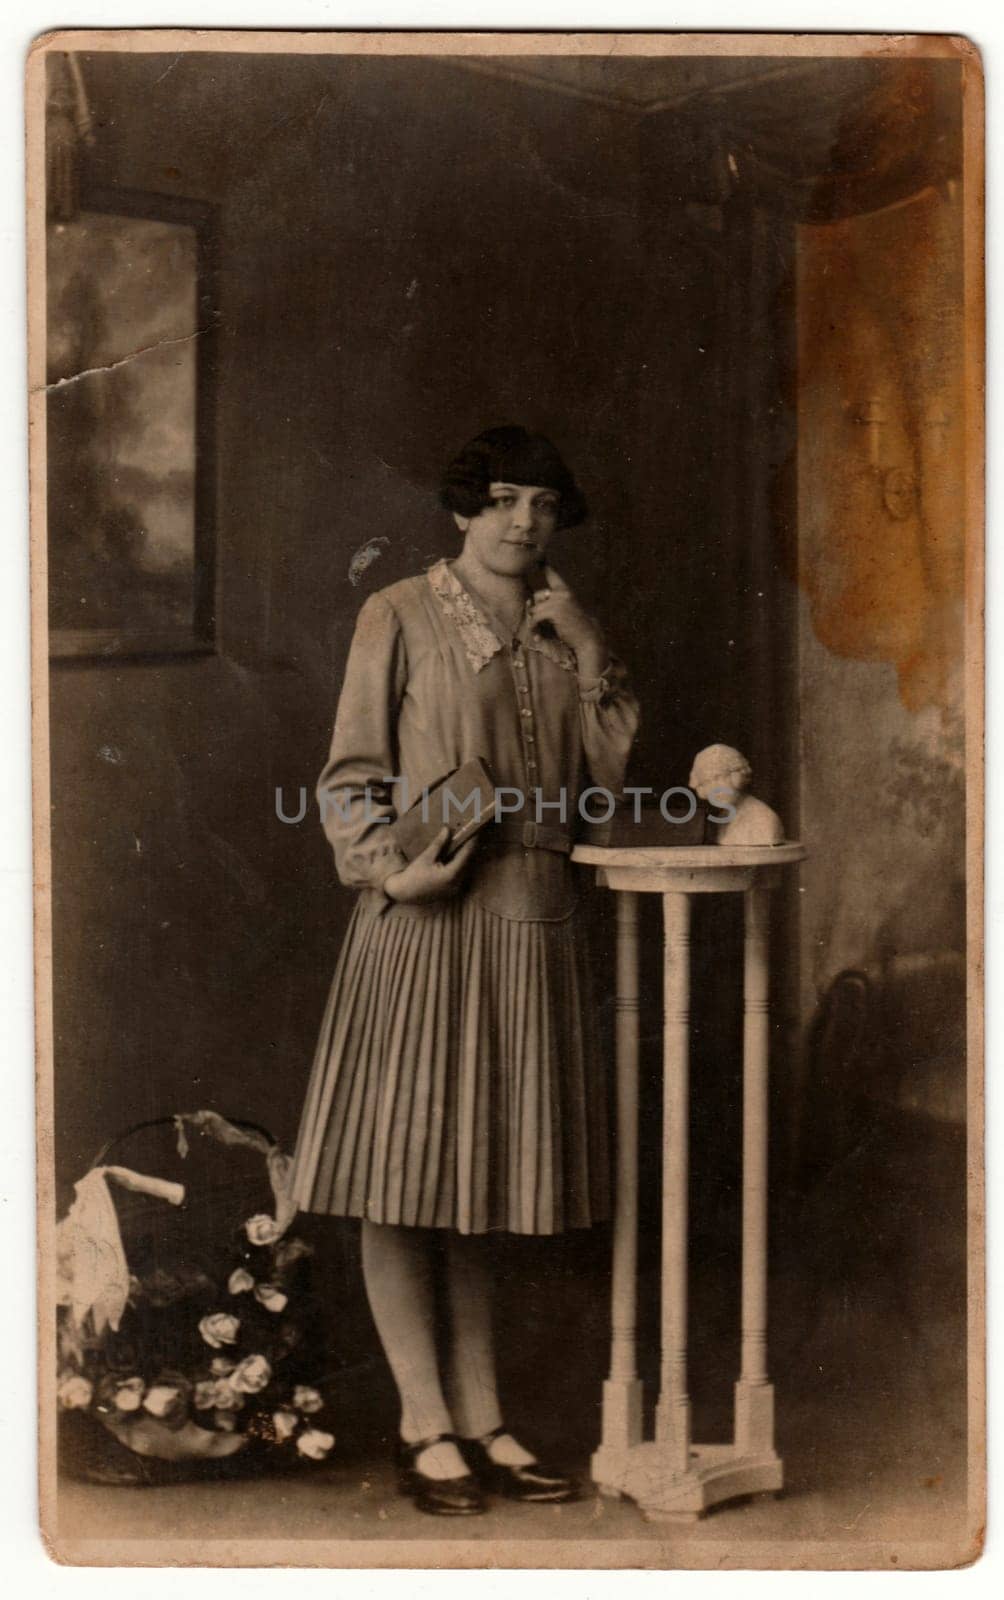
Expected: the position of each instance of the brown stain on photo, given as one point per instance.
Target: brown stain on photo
(882, 441)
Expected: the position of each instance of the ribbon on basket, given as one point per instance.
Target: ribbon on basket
(279, 1165)
(93, 1271)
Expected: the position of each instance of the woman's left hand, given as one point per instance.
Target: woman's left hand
(557, 605)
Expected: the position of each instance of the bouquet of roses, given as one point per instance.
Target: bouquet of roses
(183, 1358)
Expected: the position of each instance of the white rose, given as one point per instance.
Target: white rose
(161, 1399)
(270, 1297)
(204, 1395)
(262, 1229)
(313, 1442)
(74, 1392)
(221, 1366)
(251, 1375)
(306, 1399)
(240, 1281)
(216, 1394)
(129, 1395)
(284, 1423)
(226, 1397)
(219, 1328)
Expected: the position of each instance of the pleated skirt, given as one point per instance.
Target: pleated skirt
(456, 1082)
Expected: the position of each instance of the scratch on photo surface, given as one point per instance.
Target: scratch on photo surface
(169, 68)
(89, 372)
(365, 557)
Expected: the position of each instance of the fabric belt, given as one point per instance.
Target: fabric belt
(532, 835)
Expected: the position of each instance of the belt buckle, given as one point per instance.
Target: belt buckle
(529, 835)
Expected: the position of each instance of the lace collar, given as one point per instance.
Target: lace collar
(480, 639)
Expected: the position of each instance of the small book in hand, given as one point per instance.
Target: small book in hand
(464, 800)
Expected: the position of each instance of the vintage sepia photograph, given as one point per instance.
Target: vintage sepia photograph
(507, 633)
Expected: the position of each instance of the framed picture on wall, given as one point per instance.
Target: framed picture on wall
(130, 427)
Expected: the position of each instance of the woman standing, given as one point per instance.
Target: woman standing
(454, 1086)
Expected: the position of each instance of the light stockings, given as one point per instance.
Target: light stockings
(398, 1271)
(472, 1384)
(397, 1268)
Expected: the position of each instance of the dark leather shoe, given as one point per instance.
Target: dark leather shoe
(535, 1482)
(440, 1497)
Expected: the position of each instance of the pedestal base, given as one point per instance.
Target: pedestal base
(716, 1472)
(623, 1400)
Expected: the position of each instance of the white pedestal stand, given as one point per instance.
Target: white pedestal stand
(671, 1478)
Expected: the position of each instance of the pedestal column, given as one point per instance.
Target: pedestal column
(754, 1399)
(622, 1392)
(673, 1411)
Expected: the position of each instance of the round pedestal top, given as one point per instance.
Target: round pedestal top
(688, 869)
(686, 857)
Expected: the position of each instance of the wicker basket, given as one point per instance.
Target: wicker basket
(203, 1333)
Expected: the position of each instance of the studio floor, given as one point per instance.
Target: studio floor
(849, 1507)
(858, 1496)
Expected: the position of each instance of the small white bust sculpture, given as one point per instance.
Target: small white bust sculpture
(721, 775)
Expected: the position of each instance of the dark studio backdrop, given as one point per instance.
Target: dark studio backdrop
(731, 292)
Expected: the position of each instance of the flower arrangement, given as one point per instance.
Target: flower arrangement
(194, 1358)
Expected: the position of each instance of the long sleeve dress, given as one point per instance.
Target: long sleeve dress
(455, 1082)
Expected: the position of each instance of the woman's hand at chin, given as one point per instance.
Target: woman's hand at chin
(427, 878)
(557, 605)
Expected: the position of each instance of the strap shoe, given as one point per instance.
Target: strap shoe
(535, 1481)
(439, 1497)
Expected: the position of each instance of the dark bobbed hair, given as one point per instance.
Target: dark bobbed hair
(510, 455)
